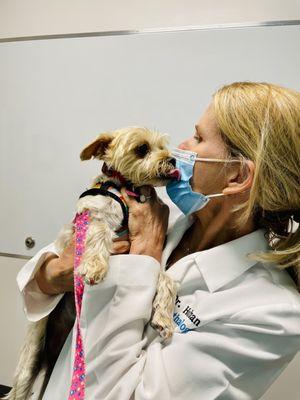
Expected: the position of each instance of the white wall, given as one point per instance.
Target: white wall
(19, 18)
(41, 17)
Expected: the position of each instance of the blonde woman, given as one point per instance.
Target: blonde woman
(234, 251)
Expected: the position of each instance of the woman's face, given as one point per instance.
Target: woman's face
(208, 177)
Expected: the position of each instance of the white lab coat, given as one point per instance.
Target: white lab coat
(238, 325)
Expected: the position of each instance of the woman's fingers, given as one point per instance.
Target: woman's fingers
(121, 247)
(123, 238)
(121, 244)
(147, 195)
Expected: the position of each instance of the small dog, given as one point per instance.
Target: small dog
(133, 157)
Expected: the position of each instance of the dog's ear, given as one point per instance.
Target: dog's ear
(98, 147)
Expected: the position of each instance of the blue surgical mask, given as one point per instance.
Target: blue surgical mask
(180, 191)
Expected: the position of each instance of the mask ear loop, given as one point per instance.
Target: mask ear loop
(216, 195)
(220, 160)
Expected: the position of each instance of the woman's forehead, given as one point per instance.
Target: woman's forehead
(207, 124)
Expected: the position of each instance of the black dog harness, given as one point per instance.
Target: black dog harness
(109, 188)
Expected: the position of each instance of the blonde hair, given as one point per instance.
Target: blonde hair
(261, 122)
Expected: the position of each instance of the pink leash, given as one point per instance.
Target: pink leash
(77, 390)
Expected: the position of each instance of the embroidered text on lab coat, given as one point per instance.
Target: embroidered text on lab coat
(180, 317)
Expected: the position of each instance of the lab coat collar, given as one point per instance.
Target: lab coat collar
(222, 264)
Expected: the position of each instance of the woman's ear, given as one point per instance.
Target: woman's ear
(98, 147)
(242, 180)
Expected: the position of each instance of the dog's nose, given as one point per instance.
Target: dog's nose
(172, 161)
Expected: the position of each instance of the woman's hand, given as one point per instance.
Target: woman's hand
(55, 276)
(121, 245)
(147, 223)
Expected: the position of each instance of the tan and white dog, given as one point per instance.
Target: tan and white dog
(133, 157)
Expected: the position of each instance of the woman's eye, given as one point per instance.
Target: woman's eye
(198, 139)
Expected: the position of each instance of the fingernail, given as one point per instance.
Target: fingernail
(131, 193)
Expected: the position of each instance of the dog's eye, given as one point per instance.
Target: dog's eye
(142, 150)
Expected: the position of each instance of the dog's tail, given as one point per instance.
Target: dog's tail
(30, 361)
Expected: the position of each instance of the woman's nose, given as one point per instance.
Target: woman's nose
(184, 145)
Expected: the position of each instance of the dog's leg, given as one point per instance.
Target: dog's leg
(98, 247)
(29, 362)
(163, 306)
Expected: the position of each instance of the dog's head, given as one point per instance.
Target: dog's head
(138, 154)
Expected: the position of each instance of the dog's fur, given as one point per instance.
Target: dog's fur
(142, 158)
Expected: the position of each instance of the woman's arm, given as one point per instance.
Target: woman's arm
(37, 304)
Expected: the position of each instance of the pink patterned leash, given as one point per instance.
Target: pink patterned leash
(77, 390)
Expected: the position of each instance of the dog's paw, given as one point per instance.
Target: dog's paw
(93, 270)
(89, 281)
(92, 278)
(164, 330)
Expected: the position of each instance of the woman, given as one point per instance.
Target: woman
(237, 317)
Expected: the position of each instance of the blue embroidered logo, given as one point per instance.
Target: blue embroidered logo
(181, 323)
